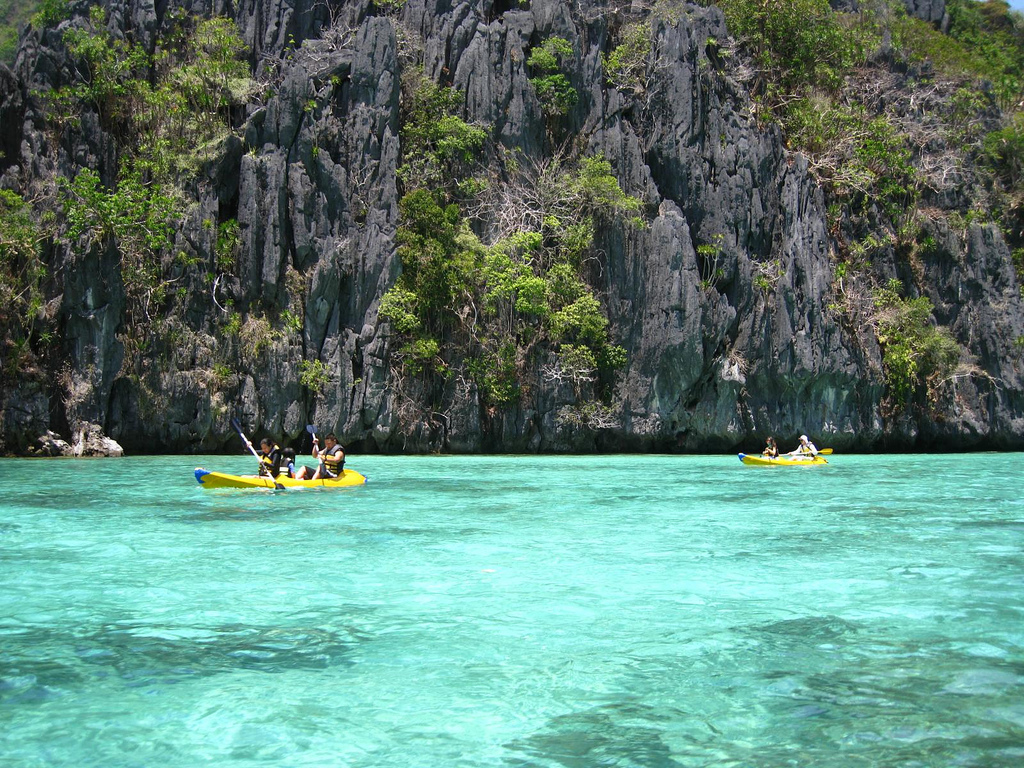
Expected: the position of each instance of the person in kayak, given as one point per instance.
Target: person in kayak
(806, 449)
(296, 472)
(331, 456)
(771, 450)
(270, 458)
(288, 462)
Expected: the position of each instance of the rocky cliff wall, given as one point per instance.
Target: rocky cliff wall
(718, 355)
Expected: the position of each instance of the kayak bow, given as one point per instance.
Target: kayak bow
(209, 479)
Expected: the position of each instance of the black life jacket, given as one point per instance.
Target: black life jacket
(334, 460)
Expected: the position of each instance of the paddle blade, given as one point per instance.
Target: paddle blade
(311, 429)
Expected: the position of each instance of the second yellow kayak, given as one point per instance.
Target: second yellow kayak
(781, 461)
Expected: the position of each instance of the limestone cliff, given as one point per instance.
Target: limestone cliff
(764, 340)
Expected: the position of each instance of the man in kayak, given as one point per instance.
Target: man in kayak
(806, 449)
(270, 458)
(332, 458)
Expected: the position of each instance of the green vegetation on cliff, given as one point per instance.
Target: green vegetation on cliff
(14, 13)
(887, 108)
(915, 350)
(22, 296)
(556, 94)
(167, 114)
(169, 122)
(497, 311)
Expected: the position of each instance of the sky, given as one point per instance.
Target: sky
(1017, 5)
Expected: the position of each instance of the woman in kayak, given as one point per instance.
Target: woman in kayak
(332, 458)
(771, 450)
(806, 449)
(270, 458)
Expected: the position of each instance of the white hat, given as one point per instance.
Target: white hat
(803, 438)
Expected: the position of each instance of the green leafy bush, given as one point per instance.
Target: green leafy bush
(165, 111)
(582, 321)
(883, 152)
(492, 306)
(578, 361)
(227, 245)
(1003, 151)
(161, 112)
(22, 274)
(557, 95)
(292, 321)
(400, 306)
(709, 257)
(863, 159)
(794, 42)
(992, 40)
(434, 264)
(495, 374)
(913, 349)
(51, 13)
(437, 145)
(421, 354)
(205, 75)
(115, 75)
(611, 357)
(625, 66)
(596, 188)
(314, 375)
(564, 282)
(138, 216)
(510, 283)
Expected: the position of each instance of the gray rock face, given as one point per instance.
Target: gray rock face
(721, 350)
(12, 117)
(24, 414)
(89, 440)
(927, 10)
(50, 444)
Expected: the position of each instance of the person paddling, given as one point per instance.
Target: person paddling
(331, 456)
(806, 449)
(270, 458)
(771, 450)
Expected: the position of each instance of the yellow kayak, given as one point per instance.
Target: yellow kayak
(782, 461)
(209, 479)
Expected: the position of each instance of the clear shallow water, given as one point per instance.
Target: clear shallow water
(515, 611)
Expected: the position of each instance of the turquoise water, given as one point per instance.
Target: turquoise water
(515, 611)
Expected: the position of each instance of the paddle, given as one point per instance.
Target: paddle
(238, 429)
(312, 431)
(813, 456)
